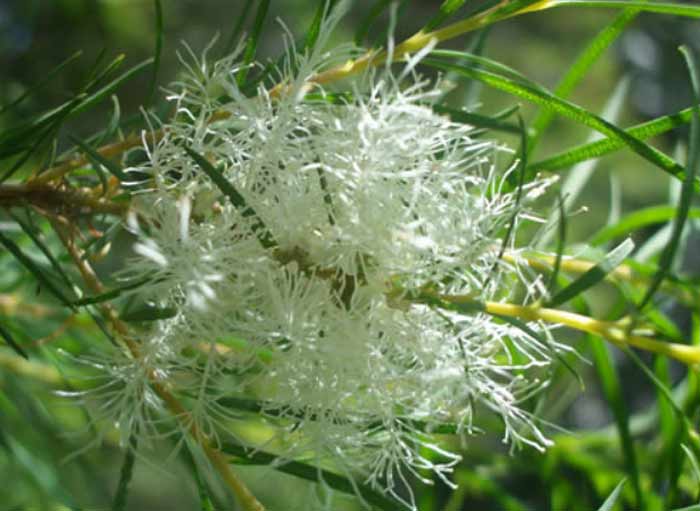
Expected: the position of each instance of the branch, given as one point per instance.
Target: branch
(60, 200)
(615, 332)
(413, 44)
(108, 151)
(237, 486)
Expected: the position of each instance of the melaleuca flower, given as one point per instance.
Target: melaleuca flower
(298, 284)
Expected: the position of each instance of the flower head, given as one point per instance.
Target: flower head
(302, 282)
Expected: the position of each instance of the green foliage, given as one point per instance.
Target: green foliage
(640, 452)
(593, 276)
(580, 68)
(686, 192)
(158, 47)
(311, 473)
(509, 82)
(612, 498)
(127, 472)
(100, 161)
(252, 42)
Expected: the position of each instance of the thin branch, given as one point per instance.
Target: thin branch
(218, 460)
(615, 332)
(58, 199)
(374, 57)
(108, 151)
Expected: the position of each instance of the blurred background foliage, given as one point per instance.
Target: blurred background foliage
(586, 462)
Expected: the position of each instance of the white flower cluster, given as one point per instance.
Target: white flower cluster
(295, 285)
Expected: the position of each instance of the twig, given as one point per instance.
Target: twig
(237, 486)
(58, 199)
(108, 151)
(372, 58)
(615, 332)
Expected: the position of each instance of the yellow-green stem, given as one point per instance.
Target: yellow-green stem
(415, 43)
(611, 331)
(372, 58)
(546, 262)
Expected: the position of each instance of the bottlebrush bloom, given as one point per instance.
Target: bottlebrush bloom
(295, 282)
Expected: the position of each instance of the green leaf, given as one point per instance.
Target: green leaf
(472, 90)
(657, 7)
(257, 407)
(12, 141)
(538, 95)
(610, 384)
(612, 498)
(30, 128)
(686, 191)
(202, 489)
(126, 473)
(219, 180)
(112, 86)
(9, 340)
(97, 159)
(158, 47)
(34, 269)
(561, 244)
(112, 126)
(580, 68)
(148, 312)
(237, 29)
(98, 75)
(46, 127)
(109, 295)
(40, 85)
(313, 473)
(671, 456)
(482, 121)
(230, 191)
(324, 6)
(31, 151)
(33, 234)
(608, 145)
(578, 177)
(660, 386)
(470, 62)
(365, 25)
(694, 467)
(465, 307)
(638, 219)
(252, 43)
(593, 276)
(447, 9)
(682, 421)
